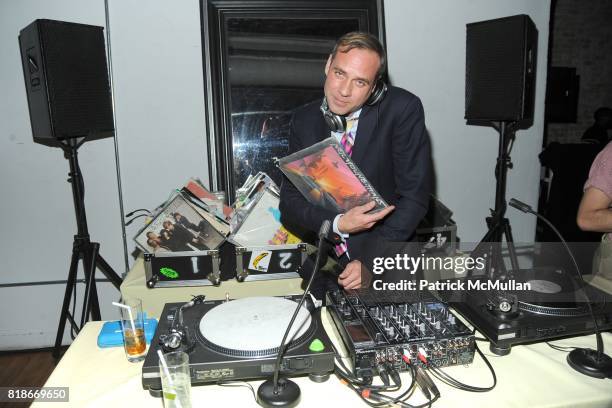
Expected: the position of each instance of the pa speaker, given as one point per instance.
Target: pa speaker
(562, 87)
(500, 69)
(66, 79)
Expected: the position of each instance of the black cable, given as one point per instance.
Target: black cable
(483, 339)
(527, 209)
(600, 345)
(406, 394)
(131, 220)
(400, 400)
(245, 384)
(447, 379)
(359, 385)
(138, 210)
(565, 349)
(350, 378)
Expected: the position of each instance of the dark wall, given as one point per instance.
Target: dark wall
(582, 38)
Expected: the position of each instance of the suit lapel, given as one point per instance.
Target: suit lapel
(364, 136)
(321, 130)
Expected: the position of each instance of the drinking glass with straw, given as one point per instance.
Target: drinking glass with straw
(175, 379)
(132, 327)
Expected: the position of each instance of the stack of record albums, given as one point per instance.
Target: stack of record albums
(195, 239)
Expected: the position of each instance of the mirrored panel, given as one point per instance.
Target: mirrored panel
(265, 62)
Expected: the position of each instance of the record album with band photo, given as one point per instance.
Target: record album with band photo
(180, 226)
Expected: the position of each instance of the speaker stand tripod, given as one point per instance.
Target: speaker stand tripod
(82, 250)
(490, 246)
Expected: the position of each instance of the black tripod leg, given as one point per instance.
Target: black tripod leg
(484, 245)
(110, 274)
(90, 300)
(489, 247)
(95, 304)
(511, 247)
(66, 304)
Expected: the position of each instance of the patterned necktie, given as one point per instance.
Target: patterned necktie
(348, 138)
(347, 141)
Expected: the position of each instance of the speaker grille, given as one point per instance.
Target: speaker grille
(75, 95)
(500, 69)
(77, 78)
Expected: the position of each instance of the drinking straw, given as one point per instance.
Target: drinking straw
(162, 360)
(129, 309)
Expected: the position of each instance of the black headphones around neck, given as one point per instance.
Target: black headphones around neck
(337, 123)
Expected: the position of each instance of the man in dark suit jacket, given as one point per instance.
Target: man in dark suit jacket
(390, 147)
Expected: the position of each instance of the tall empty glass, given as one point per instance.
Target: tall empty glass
(132, 327)
(176, 381)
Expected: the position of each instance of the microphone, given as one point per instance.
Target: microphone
(519, 205)
(282, 392)
(593, 363)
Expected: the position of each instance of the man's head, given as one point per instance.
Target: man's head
(168, 225)
(152, 235)
(354, 66)
(177, 216)
(152, 243)
(603, 117)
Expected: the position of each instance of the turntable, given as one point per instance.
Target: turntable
(239, 339)
(554, 307)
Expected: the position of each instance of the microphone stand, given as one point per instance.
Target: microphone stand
(282, 392)
(594, 363)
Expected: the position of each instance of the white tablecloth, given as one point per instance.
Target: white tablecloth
(530, 376)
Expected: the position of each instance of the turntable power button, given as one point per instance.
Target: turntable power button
(316, 345)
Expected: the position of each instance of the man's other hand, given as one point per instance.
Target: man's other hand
(350, 278)
(356, 219)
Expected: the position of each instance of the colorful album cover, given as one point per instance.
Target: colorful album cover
(327, 177)
(261, 225)
(179, 226)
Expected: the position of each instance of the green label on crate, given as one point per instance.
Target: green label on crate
(169, 273)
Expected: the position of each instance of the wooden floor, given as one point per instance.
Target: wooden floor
(25, 368)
